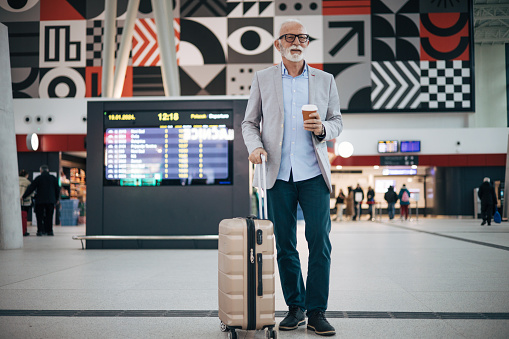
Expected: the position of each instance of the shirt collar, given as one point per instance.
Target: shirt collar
(304, 74)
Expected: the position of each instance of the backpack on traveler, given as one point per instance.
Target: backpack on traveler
(405, 197)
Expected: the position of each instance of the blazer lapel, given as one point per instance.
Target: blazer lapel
(312, 82)
(278, 83)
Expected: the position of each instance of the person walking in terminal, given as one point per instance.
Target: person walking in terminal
(25, 203)
(47, 193)
(298, 169)
(349, 211)
(488, 201)
(340, 205)
(391, 197)
(404, 201)
(358, 197)
(370, 200)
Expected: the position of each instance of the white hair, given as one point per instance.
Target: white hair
(486, 179)
(287, 21)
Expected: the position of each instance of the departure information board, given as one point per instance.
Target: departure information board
(410, 146)
(185, 148)
(387, 146)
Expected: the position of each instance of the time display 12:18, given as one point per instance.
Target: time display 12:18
(168, 116)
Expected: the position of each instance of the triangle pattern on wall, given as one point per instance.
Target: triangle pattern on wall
(248, 8)
(59, 10)
(203, 75)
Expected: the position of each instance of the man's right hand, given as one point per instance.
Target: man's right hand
(255, 156)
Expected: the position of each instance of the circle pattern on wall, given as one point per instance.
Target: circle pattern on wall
(62, 82)
(17, 6)
(250, 40)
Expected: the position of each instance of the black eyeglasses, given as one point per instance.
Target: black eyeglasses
(291, 37)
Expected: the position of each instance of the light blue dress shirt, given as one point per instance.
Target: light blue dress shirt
(298, 153)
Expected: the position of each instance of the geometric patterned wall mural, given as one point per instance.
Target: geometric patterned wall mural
(386, 55)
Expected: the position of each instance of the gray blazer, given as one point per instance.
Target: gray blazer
(263, 123)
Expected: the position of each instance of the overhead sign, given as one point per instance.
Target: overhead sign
(399, 171)
(399, 160)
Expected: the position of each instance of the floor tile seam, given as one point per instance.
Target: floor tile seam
(189, 314)
(58, 289)
(505, 248)
(454, 329)
(475, 232)
(422, 302)
(469, 293)
(414, 297)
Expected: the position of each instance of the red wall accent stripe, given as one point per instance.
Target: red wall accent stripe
(76, 143)
(54, 143)
(439, 160)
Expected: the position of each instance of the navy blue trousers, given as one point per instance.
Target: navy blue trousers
(313, 197)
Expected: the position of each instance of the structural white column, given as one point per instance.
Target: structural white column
(110, 12)
(163, 14)
(125, 48)
(11, 236)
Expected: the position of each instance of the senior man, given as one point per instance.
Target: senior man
(298, 169)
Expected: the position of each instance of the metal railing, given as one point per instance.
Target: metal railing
(143, 237)
(379, 209)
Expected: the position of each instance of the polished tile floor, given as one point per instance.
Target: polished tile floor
(431, 278)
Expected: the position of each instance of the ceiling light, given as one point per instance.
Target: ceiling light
(344, 149)
(32, 142)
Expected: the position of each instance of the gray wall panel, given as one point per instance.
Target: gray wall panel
(94, 172)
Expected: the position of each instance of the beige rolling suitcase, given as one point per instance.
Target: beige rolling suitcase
(246, 274)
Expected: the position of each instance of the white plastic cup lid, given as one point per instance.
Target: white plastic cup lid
(309, 108)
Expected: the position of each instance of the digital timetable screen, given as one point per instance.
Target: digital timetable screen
(387, 146)
(168, 148)
(410, 146)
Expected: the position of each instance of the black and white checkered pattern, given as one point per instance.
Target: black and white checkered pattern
(446, 84)
(95, 32)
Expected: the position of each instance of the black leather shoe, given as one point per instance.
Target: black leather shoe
(39, 234)
(294, 318)
(483, 223)
(50, 234)
(26, 234)
(318, 323)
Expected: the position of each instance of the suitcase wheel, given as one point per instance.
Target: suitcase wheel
(232, 334)
(224, 328)
(271, 334)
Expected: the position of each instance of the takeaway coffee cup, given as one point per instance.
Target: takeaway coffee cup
(307, 110)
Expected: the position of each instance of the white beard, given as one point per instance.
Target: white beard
(287, 53)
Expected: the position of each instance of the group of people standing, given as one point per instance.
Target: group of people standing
(352, 202)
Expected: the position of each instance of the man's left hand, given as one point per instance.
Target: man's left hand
(314, 124)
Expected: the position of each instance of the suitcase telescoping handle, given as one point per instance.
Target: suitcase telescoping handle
(262, 190)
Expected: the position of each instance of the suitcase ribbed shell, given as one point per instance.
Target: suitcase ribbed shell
(232, 275)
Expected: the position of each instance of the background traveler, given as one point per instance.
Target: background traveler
(370, 200)
(340, 205)
(391, 197)
(25, 203)
(349, 210)
(357, 201)
(404, 201)
(47, 193)
(298, 169)
(488, 201)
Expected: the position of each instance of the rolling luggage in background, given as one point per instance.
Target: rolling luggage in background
(496, 216)
(246, 273)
